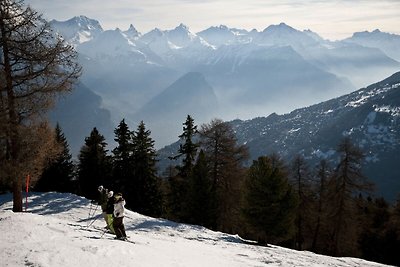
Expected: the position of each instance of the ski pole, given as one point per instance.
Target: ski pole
(90, 211)
(93, 215)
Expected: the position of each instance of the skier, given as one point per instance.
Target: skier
(110, 211)
(118, 224)
(102, 201)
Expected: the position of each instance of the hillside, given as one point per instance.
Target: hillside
(55, 232)
(369, 116)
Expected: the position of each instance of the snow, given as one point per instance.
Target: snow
(55, 232)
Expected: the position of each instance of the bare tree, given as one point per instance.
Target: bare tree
(226, 158)
(35, 67)
(348, 181)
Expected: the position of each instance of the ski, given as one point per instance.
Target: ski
(125, 240)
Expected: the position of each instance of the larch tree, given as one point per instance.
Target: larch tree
(300, 178)
(226, 159)
(35, 67)
(348, 181)
(59, 171)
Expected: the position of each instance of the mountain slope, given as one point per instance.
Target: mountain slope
(189, 95)
(55, 232)
(369, 116)
(252, 73)
(77, 114)
(388, 43)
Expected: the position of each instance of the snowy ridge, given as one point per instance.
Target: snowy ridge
(54, 233)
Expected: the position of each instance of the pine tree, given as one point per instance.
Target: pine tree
(146, 195)
(269, 202)
(58, 174)
(200, 195)
(94, 165)
(123, 176)
(178, 195)
(226, 159)
(188, 149)
(35, 66)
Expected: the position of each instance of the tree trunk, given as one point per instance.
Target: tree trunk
(12, 130)
(17, 195)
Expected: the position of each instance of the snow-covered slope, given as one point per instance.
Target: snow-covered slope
(55, 232)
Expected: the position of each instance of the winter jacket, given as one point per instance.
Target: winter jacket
(102, 200)
(110, 206)
(119, 208)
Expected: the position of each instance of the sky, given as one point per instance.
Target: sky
(332, 19)
(65, 230)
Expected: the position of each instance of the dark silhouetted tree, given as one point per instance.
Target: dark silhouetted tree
(58, 174)
(147, 198)
(226, 159)
(35, 66)
(200, 197)
(269, 201)
(123, 164)
(94, 167)
(348, 181)
(179, 185)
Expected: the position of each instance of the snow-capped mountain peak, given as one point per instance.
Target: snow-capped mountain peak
(283, 34)
(181, 36)
(280, 28)
(78, 29)
(132, 34)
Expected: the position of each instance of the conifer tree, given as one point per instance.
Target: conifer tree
(94, 165)
(188, 149)
(179, 185)
(269, 202)
(123, 176)
(146, 195)
(226, 159)
(302, 186)
(58, 174)
(320, 213)
(348, 181)
(200, 195)
(35, 66)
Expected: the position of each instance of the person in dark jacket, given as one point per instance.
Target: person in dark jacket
(102, 201)
(110, 211)
(119, 211)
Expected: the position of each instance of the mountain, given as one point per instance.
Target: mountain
(77, 114)
(78, 29)
(369, 116)
(66, 230)
(252, 73)
(222, 35)
(387, 42)
(189, 95)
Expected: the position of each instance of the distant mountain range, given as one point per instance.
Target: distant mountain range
(240, 74)
(369, 116)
